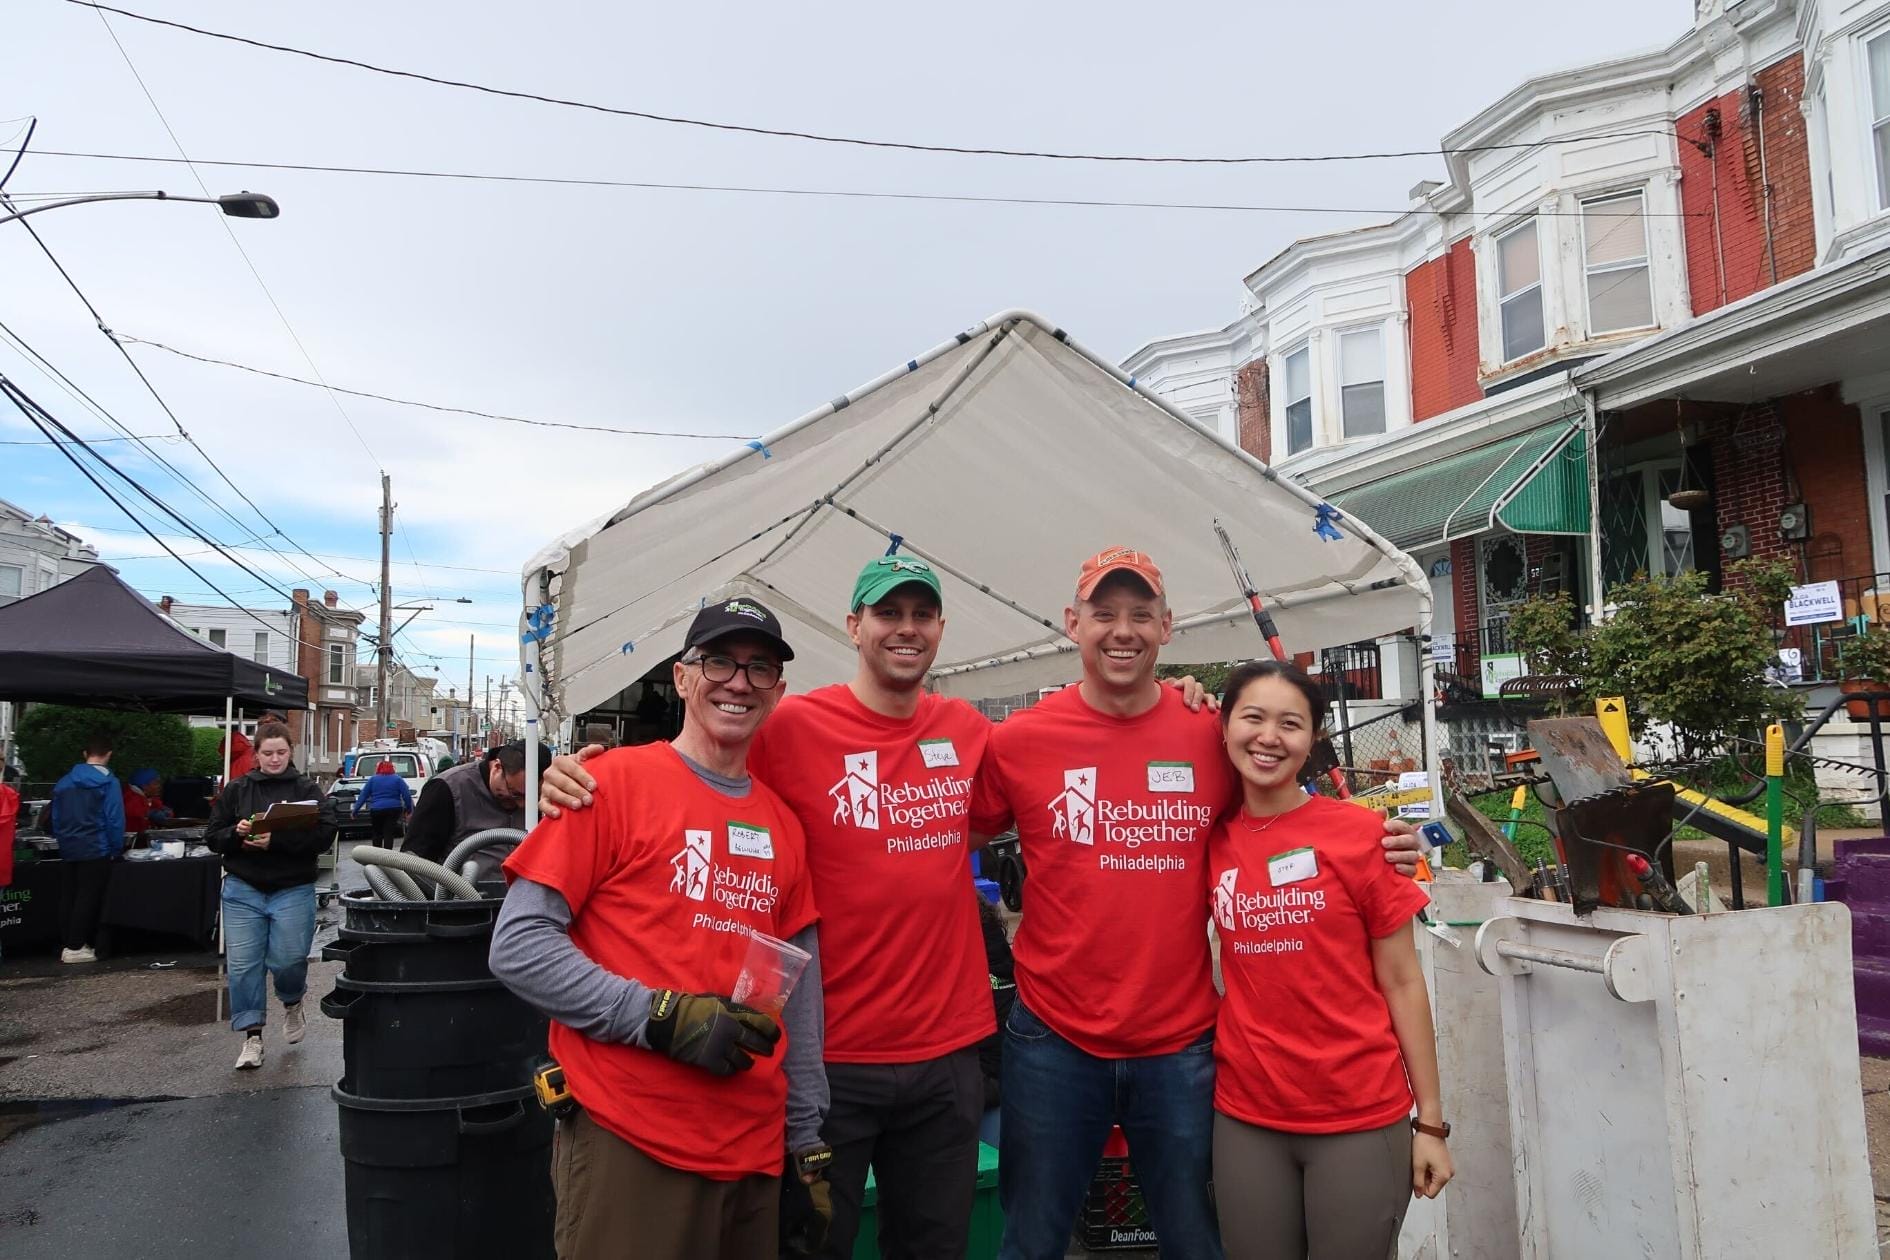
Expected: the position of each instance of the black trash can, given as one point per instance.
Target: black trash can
(448, 1178)
(434, 1039)
(447, 1153)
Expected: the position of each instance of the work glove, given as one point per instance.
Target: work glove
(716, 1034)
(806, 1206)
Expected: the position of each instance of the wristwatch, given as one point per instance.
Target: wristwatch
(1433, 1130)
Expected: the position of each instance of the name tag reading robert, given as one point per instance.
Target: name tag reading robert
(1171, 776)
(1291, 867)
(938, 753)
(747, 841)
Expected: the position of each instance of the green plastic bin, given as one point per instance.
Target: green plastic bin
(987, 1218)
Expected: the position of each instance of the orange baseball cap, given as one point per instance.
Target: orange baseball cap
(1117, 560)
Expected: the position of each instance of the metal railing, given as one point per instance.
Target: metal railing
(1865, 600)
(1357, 667)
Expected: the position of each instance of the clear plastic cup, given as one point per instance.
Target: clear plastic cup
(769, 973)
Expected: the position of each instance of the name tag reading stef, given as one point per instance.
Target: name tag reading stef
(1291, 867)
(1171, 776)
(938, 753)
(749, 841)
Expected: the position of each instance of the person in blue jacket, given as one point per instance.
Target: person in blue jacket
(88, 820)
(387, 799)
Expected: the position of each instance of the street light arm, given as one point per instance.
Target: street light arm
(241, 206)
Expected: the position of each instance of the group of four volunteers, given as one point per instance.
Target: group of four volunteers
(1141, 814)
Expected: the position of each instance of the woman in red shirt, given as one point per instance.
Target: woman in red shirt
(1325, 1034)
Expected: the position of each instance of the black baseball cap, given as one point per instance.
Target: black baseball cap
(739, 615)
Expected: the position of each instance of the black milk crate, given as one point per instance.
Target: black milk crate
(1115, 1216)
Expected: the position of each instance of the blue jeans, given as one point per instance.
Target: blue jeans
(265, 931)
(1059, 1103)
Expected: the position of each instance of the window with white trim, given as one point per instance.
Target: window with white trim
(12, 582)
(219, 639)
(337, 665)
(1519, 290)
(1362, 382)
(1299, 400)
(1877, 53)
(262, 647)
(1614, 261)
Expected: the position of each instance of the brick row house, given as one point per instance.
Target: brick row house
(1663, 272)
(313, 638)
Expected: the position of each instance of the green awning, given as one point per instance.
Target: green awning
(1534, 482)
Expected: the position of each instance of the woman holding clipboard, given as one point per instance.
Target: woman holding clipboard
(269, 868)
(1325, 1037)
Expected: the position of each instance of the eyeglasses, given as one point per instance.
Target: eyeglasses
(763, 675)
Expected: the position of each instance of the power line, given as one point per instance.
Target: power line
(98, 408)
(844, 193)
(135, 437)
(247, 261)
(781, 133)
(28, 408)
(331, 555)
(410, 402)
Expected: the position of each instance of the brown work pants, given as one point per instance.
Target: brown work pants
(615, 1201)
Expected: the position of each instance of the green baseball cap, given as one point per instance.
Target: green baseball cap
(883, 574)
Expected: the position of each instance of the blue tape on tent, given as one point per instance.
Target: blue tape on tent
(1324, 522)
(896, 540)
(537, 624)
(757, 446)
(626, 649)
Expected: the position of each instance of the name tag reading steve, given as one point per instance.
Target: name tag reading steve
(938, 753)
(747, 841)
(1292, 866)
(1171, 776)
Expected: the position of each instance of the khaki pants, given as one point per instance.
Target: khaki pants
(615, 1201)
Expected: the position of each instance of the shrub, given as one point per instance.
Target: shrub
(52, 739)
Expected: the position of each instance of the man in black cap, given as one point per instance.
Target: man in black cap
(629, 924)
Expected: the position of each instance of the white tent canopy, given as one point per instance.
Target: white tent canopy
(1003, 457)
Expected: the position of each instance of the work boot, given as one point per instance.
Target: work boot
(252, 1055)
(294, 1023)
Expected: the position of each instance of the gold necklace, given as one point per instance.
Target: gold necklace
(1270, 819)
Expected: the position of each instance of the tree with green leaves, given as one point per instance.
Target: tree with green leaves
(52, 739)
(1678, 654)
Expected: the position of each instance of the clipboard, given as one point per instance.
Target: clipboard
(287, 816)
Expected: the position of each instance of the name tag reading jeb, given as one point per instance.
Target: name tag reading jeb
(1171, 776)
(937, 753)
(750, 841)
(1292, 866)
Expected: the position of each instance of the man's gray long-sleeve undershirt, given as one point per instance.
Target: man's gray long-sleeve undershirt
(533, 954)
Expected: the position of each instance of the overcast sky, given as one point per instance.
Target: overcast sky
(708, 312)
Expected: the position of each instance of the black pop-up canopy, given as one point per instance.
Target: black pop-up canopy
(94, 641)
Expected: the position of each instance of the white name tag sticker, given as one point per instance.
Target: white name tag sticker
(1291, 867)
(747, 841)
(938, 753)
(1171, 776)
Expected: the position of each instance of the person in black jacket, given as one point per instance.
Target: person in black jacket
(268, 889)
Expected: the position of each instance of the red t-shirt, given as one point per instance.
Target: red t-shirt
(1113, 815)
(665, 876)
(9, 821)
(884, 801)
(137, 811)
(1305, 1042)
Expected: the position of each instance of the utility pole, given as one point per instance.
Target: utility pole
(466, 748)
(387, 609)
(486, 733)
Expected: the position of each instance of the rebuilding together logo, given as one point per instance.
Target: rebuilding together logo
(861, 800)
(1083, 815)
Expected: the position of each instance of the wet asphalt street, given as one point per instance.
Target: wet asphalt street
(243, 1175)
(124, 1131)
